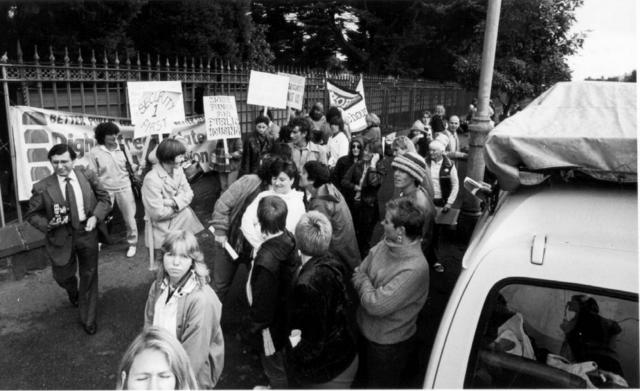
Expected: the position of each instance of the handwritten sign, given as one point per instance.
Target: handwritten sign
(268, 89)
(221, 117)
(155, 106)
(295, 93)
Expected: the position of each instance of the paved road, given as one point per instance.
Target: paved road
(44, 347)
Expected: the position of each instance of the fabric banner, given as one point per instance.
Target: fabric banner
(352, 104)
(36, 130)
(155, 106)
(221, 117)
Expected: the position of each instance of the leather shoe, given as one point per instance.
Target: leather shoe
(73, 298)
(90, 328)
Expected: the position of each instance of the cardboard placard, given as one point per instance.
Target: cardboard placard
(155, 106)
(268, 89)
(295, 95)
(221, 117)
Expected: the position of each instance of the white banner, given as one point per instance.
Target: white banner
(221, 117)
(352, 104)
(155, 106)
(295, 95)
(36, 130)
(268, 89)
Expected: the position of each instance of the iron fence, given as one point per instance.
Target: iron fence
(97, 85)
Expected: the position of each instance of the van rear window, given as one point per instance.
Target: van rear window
(536, 336)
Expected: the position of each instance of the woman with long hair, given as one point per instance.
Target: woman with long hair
(182, 302)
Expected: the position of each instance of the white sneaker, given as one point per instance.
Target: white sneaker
(131, 251)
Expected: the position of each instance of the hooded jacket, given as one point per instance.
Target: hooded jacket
(330, 202)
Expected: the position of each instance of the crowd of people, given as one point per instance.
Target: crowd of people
(336, 228)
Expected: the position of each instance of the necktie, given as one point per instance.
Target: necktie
(73, 206)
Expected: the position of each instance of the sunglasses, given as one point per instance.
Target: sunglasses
(356, 146)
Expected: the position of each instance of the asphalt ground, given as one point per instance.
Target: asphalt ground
(44, 347)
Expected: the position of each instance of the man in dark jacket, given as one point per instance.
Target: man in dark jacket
(271, 279)
(325, 198)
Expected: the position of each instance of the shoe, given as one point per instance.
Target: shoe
(131, 251)
(438, 267)
(90, 328)
(73, 298)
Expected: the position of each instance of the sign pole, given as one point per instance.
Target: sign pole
(226, 151)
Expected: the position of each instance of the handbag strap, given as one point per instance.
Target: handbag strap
(126, 159)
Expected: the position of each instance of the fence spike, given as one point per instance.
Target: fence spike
(185, 63)
(19, 51)
(80, 60)
(148, 60)
(167, 64)
(193, 64)
(128, 61)
(66, 56)
(117, 60)
(201, 65)
(228, 66)
(4, 58)
(93, 57)
(105, 60)
(36, 57)
(208, 64)
(177, 64)
(138, 63)
(158, 62)
(52, 58)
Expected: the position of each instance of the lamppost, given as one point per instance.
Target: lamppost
(480, 124)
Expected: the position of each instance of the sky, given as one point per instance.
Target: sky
(611, 45)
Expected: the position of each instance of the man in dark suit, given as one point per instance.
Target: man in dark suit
(67, 206)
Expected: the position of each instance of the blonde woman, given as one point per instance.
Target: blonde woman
(155, 360)
(182, 302)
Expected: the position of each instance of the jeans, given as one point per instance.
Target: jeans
(127, 205)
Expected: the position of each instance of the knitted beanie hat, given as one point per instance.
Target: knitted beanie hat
(411, 163)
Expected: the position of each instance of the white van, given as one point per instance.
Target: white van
(548, 293)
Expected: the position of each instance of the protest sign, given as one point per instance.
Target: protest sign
(295, 94)
(268, 89)
(221, 117)
(36, 130)
(352, 104)
(155, 106)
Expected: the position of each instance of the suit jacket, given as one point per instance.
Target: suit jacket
(47, 193)
(157, 187)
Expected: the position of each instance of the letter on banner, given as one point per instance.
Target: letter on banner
(155, 106)
(295, 96)
(221, 117)
(268, 89)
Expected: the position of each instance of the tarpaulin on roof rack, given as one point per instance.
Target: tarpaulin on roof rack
(588, 126)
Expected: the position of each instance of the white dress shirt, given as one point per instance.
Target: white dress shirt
(82, 216)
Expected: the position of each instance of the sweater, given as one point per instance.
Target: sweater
(197, 326)
(111, 167)
(393, 283)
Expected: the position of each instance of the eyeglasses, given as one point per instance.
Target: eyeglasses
(356, 146)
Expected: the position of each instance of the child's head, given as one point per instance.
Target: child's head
(180, 254)
(272, 215)
(313, 234)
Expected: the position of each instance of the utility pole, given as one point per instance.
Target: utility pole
(480, 124)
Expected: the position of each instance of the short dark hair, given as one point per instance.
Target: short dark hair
(303, 124)
(263, 119)
(405, 213)
(105, 129)
(272, 214)
(264, 170)
(285, 165)
(168, 150)
(60, 149)
(317, 172)
(333, 112)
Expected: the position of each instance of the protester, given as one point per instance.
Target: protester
(155, 360)
(108, 160)
(316, 116)
(269, 286)
(283, 174)
(444, 176)
(338, 144)
(166, 195)
(303, 150)
(227, 164)
(372, 132)
(452, 150)
(320, 312)
(344, 164)
(393, 283)
(226, 219)
(420, 140)
(325, 198)
(67, 206)
(438, 122)
(255, 146)
(364, 180)
(422, 123)
(408, 174)
(182, 302)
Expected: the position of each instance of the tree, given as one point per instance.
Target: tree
(532, 49)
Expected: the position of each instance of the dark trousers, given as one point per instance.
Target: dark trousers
(389, 366)
(84, 258)
(223, 269)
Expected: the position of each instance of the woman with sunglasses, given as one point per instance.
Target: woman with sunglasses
(344, 164)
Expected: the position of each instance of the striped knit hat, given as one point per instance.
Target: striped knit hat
(411, 163)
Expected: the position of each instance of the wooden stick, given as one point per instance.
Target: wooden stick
(226, 151)
(264, 112)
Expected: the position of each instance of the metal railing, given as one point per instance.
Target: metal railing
(97, 85)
